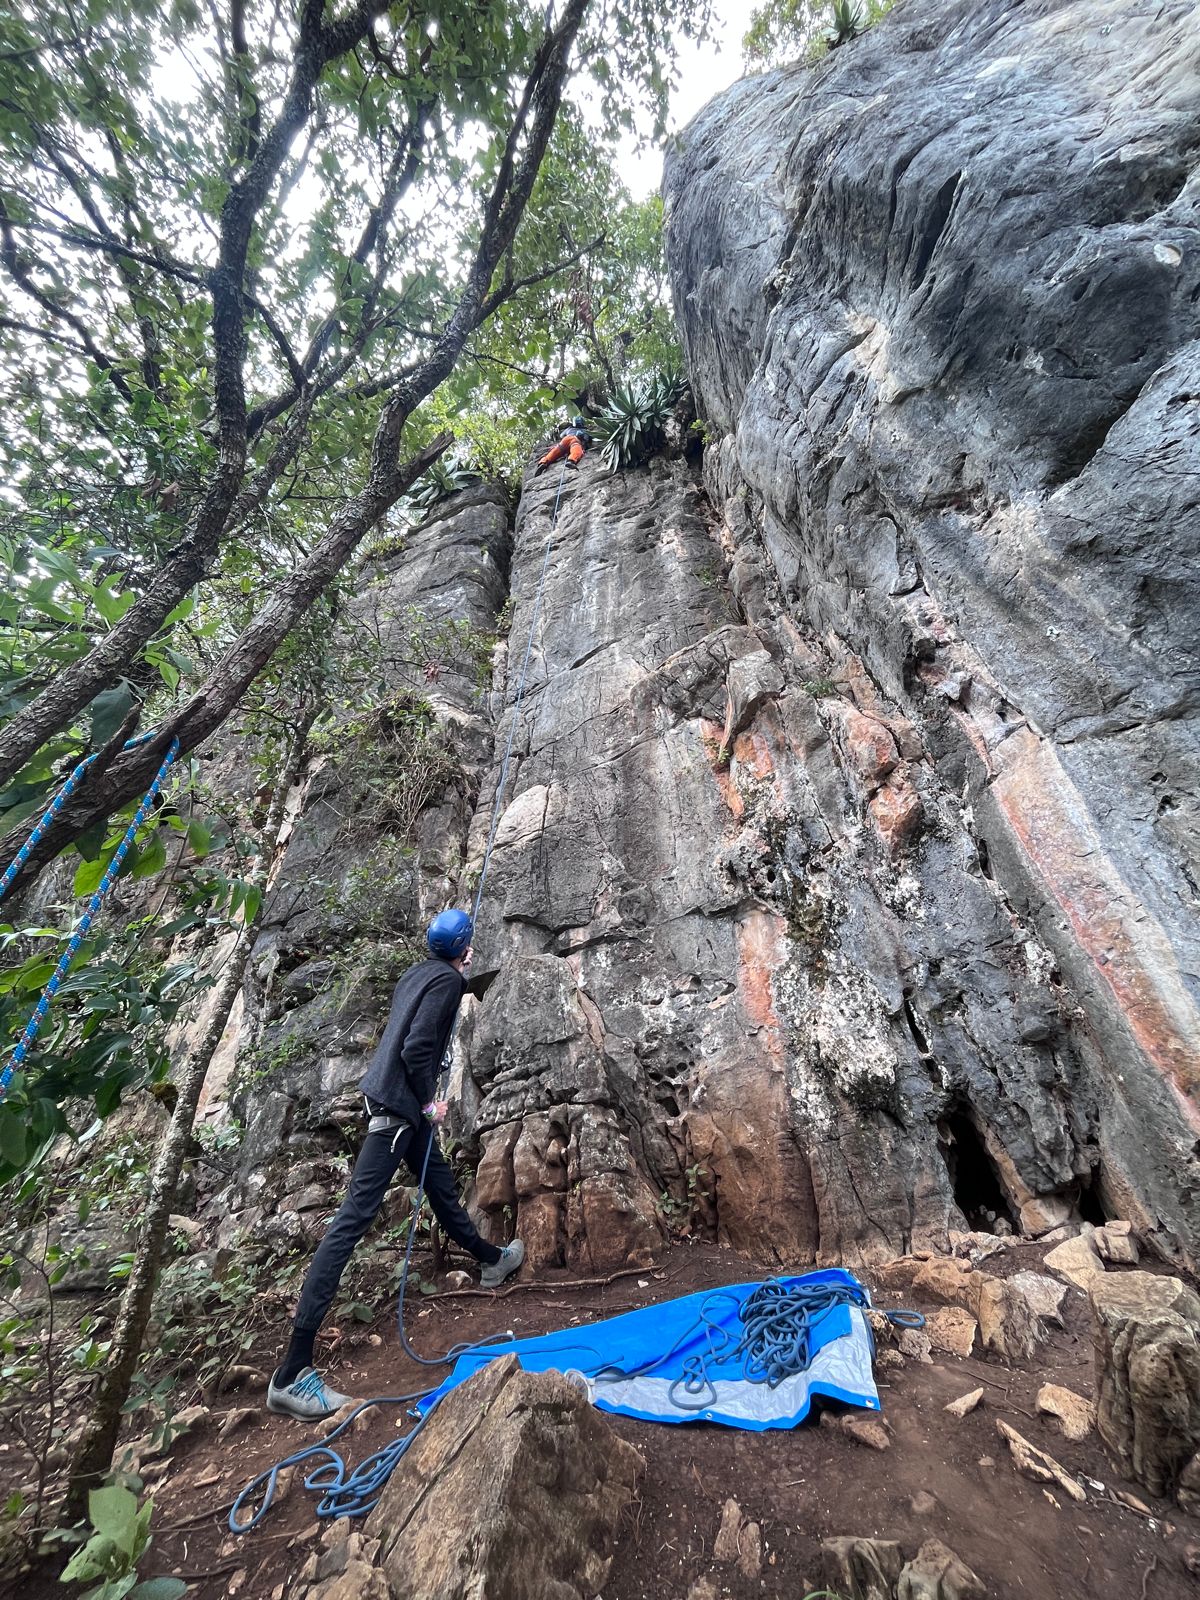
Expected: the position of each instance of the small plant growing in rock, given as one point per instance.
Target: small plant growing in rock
(445, 477)
(820, 688)
(846, 23)
(719, 752)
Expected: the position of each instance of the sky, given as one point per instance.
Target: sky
(703, 71)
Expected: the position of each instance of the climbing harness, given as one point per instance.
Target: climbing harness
(38, 1015)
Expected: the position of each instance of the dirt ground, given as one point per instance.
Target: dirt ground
(943, 1478)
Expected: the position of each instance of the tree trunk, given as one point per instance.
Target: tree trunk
(233, 675)
(93, 1457)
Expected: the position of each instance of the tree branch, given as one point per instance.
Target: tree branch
(97, 798)
(18, 270)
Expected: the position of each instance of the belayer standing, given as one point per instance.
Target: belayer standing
(573, 440)
(399, 1092)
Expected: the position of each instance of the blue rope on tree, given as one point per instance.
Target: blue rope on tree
(93, 906)
(47, 818)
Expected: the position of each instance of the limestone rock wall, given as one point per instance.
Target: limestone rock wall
(939, 299)
(746, 970)
(378, 843)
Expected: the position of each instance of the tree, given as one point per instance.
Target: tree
(232, 296)
(790, 30)
(93, 1455)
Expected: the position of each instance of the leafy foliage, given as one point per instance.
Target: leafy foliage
(632, 425)
(787, 30)
(120, 1540)
(444, 478)
(228, 297)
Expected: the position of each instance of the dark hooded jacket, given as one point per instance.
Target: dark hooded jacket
(404, 1069)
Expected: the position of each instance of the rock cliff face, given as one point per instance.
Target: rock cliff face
(377, 845)
(939, 302)
(845, 883)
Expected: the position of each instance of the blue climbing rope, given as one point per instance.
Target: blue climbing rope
(46, 821)
(38, 1015)
(778, 1320)
(343, 1494)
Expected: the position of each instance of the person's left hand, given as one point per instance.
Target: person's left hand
(436, 1111)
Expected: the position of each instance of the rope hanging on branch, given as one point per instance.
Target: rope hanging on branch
(51, 812)
(93, 906)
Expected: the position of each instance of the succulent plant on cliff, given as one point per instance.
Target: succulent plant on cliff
(444, 477)
(632, 426)
(846, 23)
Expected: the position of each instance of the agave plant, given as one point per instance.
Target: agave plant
(846, 23)
(632, 424)
(446, 476)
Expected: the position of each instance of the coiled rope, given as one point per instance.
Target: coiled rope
(343, 1494)
(38, 1015)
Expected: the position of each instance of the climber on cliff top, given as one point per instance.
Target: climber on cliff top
(399, 1090)
(573, 440)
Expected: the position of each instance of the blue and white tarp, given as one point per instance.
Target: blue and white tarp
(680, 1361)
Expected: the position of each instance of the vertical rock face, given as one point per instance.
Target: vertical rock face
(844, 883)
(745, 967)
(939, 297)
(378, 842)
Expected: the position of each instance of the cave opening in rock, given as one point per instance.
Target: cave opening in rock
(974, 1177)
(1090, 1206)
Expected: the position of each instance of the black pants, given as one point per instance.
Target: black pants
(377, 1164)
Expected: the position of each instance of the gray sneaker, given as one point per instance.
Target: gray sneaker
(308, 1397)
(511, 1258)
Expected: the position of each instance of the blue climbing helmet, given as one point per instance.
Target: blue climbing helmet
(449, 934)
(577, 422)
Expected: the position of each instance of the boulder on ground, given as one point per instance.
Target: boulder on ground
(936, 1573)
(1146, 1331)
(513, 1488)
(862, 1569)
(1077, 1260)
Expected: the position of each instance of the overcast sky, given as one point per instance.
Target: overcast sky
(704, 70)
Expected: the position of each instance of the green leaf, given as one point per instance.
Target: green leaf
(112, 1511)
(13, 1144)
(87, 1562)
(152, 858)
(111, 604)
(109, 711)
(89, 873)
(199, 836)
(91, 843)
(159, 1589)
